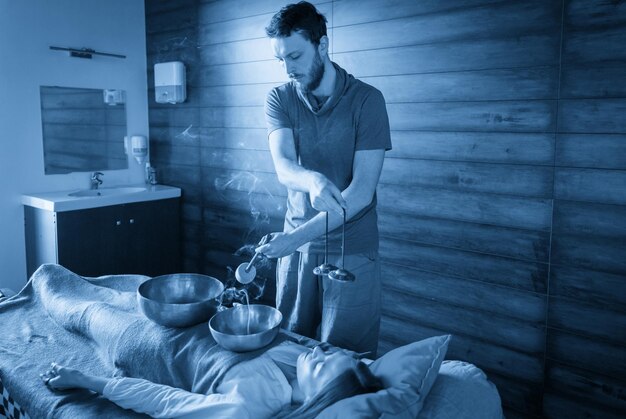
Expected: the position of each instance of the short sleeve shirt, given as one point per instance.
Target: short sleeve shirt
(353, 118)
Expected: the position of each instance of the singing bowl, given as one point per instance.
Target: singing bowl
(179, 300)
(229, 328)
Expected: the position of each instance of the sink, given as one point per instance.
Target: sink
(94, 198)
(106, 191)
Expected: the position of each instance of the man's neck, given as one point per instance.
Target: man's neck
(327, 85)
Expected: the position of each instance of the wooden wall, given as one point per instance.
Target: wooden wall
(502, 204)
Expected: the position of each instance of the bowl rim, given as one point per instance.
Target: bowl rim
(141, 296)
(280, 320)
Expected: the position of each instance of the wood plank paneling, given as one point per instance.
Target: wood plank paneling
(600, 151)
(601, 116)
(463, 293)
(598, 44)
(591, 354)
(517, 180)
(597, 322)
(602, 80)
(591, 185)
(501, 84)
(595, 287)
(594, 389)
(458, 55)
(509, 116)
(525, 275)
(500, 210)
(557, 406)
(581, 14)
(482, 238)
(487, 147)
(497, 20)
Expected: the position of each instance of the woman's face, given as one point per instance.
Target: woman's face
(317, 367)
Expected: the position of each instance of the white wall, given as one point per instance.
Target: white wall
(27, 29)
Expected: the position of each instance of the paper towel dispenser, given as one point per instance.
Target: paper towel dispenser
(169, 82)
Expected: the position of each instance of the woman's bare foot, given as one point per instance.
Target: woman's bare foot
(62, 378)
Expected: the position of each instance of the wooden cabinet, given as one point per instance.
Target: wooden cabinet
(138, 238)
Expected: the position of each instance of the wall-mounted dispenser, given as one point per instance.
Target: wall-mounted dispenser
(169, 82)
(138, 147)
(114, 97)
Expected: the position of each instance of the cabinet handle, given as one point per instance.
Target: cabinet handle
(118, 223)
(131, 221)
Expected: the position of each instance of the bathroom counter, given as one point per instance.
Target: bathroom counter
(84, 199)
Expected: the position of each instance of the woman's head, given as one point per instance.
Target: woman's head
(327, 375)
(321, 365)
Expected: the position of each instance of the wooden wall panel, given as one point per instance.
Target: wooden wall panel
(493, 209)
(516, 180)
(507, 84)
(586, 313)
(501, 204)
(505, 116)
(520, 274)
(482, 238)
(600, 151)
(463, 54)
(496, 20)
(487, 147)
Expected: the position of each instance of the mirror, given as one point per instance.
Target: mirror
(83, 129)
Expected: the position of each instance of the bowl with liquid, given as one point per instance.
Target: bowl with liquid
(179, 300)
(244, 328)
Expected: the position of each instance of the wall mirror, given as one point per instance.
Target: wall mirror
(83, 129)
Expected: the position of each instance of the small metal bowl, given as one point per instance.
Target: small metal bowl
(230, 327)
(179, 300)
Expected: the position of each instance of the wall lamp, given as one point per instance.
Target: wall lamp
(85, 52)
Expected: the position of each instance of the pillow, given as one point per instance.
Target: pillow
(407, 374)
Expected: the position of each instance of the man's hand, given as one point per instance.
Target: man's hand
(325, 196)
(280, 244)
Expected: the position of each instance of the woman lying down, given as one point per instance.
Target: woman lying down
(284, 382)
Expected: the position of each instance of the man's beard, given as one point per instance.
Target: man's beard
(315, 74)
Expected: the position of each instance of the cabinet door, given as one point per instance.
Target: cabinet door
(153, 241)
(90, 242)
(140, 238)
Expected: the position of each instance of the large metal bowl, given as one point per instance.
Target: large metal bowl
(245, 327)
(179, 300)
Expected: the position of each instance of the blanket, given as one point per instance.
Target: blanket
(94, 324)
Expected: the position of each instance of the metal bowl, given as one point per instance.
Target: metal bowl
(245, 327)
(179, 300)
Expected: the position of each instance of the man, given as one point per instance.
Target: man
(328, 133)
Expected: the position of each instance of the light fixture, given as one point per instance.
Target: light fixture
(85, 52)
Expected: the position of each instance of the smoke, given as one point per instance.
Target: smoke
(252, 184)
(258, 196)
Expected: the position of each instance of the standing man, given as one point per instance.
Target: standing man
(328, 133)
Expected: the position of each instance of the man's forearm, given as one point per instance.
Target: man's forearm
(316, 226)
(294, 176)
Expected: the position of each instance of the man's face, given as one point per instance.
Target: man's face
(301, 60)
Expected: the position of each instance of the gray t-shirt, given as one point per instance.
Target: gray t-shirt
(353, 118)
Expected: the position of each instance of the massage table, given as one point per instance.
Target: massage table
(62, 317)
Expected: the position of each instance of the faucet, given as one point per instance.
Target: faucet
(95, 179)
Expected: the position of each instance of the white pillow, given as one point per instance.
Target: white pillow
(407, 373)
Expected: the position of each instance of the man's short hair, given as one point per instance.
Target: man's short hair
(300, 17)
